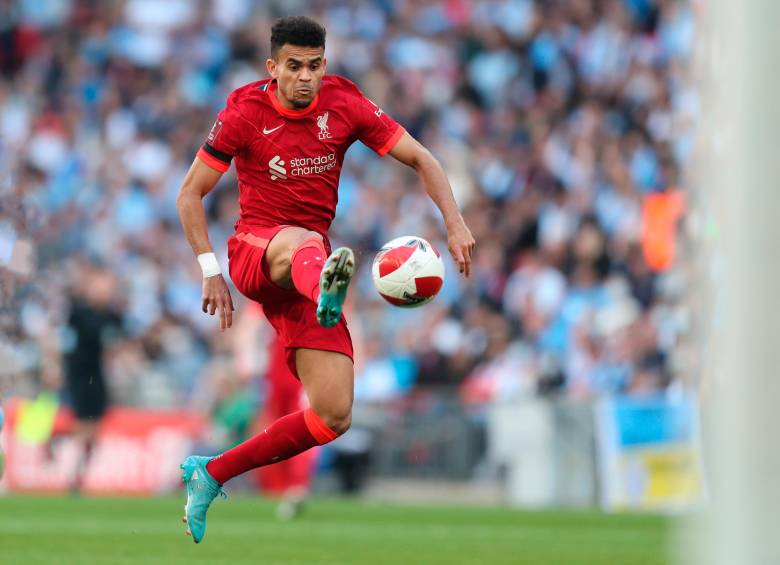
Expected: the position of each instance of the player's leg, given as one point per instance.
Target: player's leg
(296, 322)
(327, 378)
(290, 480)
(296, 258)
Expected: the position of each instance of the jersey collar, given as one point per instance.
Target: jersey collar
(271, 90)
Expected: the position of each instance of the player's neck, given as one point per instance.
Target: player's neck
(287, 104)
(286, 107)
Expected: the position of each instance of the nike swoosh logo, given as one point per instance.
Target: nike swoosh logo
(267, 131)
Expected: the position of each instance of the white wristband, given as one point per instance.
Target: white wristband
(209, 265)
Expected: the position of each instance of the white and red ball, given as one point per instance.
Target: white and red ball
(408, 271)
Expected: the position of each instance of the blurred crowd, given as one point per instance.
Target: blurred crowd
(563, 127)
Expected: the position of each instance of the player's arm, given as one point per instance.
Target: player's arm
(200, 180)
(411, 152)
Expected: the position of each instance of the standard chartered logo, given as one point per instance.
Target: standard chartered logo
(277, 168)
(300, 166)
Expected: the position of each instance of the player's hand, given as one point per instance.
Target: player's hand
(461, 245)
(216, 298)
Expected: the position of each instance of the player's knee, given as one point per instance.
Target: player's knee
(341, 425)
(282, 248)
(303, 236)
(284, 259)
(338, 419)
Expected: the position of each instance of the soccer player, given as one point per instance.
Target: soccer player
(288, 136)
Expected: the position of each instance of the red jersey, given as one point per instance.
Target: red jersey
(288, 162)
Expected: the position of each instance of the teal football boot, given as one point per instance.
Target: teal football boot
(202, 489)
(334, 280)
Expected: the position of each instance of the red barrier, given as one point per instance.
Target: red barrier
(137, 452)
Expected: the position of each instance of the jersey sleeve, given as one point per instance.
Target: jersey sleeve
(376, 129)
(225, 140)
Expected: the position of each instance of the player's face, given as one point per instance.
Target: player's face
(298, 72)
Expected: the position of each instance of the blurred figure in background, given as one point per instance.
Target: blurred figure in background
(92, 325)
(290, 480)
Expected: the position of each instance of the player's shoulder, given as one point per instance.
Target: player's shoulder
(340, 86)
(248, 99)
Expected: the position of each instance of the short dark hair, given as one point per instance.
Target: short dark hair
(296, 30)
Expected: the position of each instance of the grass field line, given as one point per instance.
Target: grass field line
(159, 527)
(132, 531)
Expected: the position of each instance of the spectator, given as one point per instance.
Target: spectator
(560, 123)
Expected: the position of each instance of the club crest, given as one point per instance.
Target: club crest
(322, 123)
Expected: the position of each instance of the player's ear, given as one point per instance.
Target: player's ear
(270, 66)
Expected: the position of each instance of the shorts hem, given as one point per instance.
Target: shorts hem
(289, 353)
(322, 348)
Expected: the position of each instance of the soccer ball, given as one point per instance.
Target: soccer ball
(408, 271)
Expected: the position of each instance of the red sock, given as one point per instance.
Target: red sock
(286, 437)
(306, 265)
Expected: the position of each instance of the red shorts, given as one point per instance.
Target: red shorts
(293, 316)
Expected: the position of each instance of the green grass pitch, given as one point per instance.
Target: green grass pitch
(134, 531)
